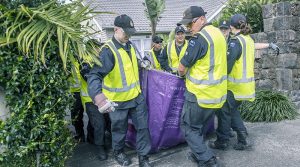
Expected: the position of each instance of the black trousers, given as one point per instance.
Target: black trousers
(98, 123)
(119, 123)
(193, 120)
(229, 117)
(77, 115)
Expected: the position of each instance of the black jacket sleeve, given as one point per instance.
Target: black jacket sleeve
(196, 50)
(234, 53)
(97, 73)
(163, 60)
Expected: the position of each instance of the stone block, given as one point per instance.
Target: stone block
(268, 74)
(295, 23)
(283, 9)
(295, 8)
(258, 63)
(260, 37)
(268, 11)
(296, 85)
(272, 36)
(282, 23)
(268, 25)
(284, 78)
(268, 61)
(265, 84)
(288, 60)
(285, 35)
(257, 74)
(260, 53)
(294, 47)
(294, 95)
(297, 36)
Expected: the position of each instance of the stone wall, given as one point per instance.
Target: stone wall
(282, 72)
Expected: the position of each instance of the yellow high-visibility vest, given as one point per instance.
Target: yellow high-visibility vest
(207, 78)
(153, 60)
(241, 79)
(173, 58)
(122, 83)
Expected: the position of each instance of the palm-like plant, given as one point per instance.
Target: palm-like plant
(153, 10)
(50, 25)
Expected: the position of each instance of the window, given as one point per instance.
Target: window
(142, 43)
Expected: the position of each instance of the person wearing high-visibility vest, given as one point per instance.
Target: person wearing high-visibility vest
(115, 88)
(174, 51)
(77, 108)
(98, 122)
(204, 65)
(241, 84)
(154, 53)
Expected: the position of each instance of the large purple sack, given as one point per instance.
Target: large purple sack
(164, 97)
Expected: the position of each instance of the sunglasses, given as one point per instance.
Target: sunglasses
(191, 23)
(158, 42)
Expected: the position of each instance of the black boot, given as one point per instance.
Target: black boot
(242, 143)
(121, 158)
(101, 153)
(213, 162)
(218, 145)
(144, 161)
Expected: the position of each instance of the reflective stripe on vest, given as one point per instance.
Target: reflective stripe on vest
(212, 101)
(123, 77)
(211, 80)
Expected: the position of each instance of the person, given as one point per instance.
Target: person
(98, 123)
(115, 88)
(155, 52)
(206, 82)
(174, 51)
(224, 26)
(77, 108)
(241, 84)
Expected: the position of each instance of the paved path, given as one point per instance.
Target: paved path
(275, 145)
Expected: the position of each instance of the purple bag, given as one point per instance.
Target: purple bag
(165, 97)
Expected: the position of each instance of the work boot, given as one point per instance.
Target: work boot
(191, 156)
(101, 153)
(210, 163)
(121, 158)
(218, 145)
(144, 161)
(242, 143)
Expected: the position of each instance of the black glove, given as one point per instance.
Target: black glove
(274, 47)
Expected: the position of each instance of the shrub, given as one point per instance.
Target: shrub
(269, 106)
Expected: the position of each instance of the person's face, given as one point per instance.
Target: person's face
(157, 46)
(180, 37)
(196, 24)
(225, 31)
(121, 35)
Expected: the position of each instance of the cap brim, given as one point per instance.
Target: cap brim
(222, 26)
(129, 31)
(185, 21)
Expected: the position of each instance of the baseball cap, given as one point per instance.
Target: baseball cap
(126, 23)
(179, 29)
(224, 24)
(237, 19)
(191, 13)
(157, 39)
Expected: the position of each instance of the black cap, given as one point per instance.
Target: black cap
(237, 19)
(179, 29)
(224, 24)
(126, 23)
(191, 13)
(157, 39)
